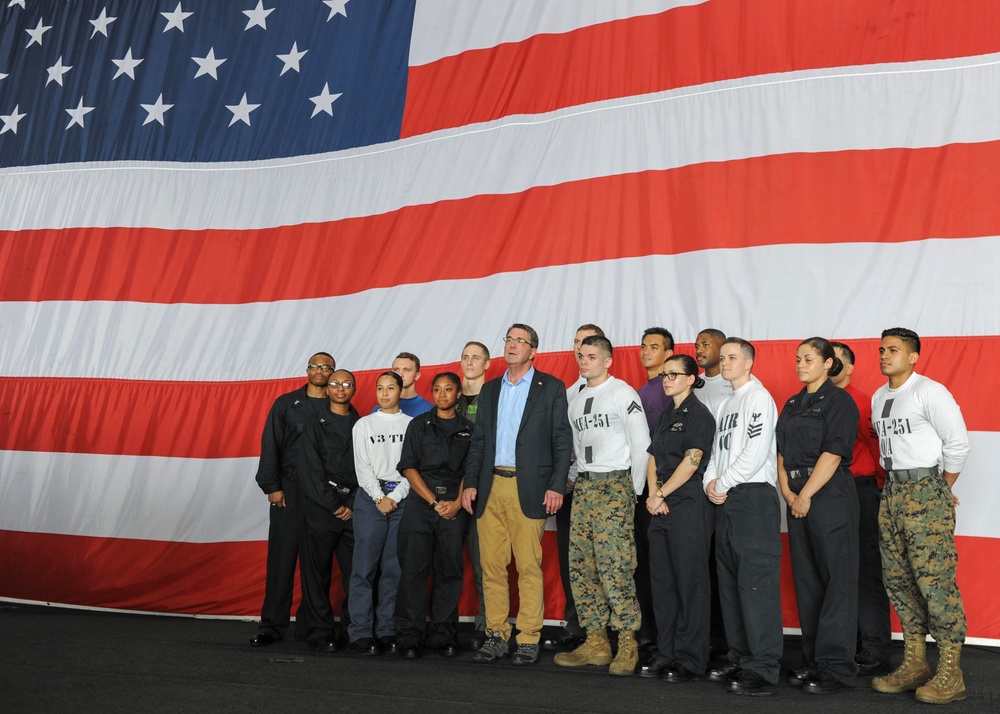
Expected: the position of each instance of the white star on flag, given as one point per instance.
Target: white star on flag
(36, 34)
(337, 7)
(241, 111)
(101, 23)
(156, 111)
(12, 3)
(324, 101)
(56, 72)
(126, 65)
(176, 18)
(78, 114)
(10, 120)
(208, 64)
(291, 60)
(3, 76)
(257, 16)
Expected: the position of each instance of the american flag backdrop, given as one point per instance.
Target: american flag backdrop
(197, 195)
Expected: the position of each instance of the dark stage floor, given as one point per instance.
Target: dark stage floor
(60, 660)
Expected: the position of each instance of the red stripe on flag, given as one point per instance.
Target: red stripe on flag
(689, 46)
(224, 420)
(146, 575)
(884, 196)
(228, 578)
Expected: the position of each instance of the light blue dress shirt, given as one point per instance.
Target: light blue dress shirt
(513, 398)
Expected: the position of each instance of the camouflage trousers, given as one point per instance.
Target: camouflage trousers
(602, 554)
(917, 540)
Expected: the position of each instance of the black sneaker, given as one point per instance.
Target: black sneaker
(495, 648)
(749, 683)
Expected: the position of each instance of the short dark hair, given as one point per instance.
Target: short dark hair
(909, 337)
(712, 332)
(349, 372)
(450, 376)
(395, 377)
(480, 345)
(410, 356)
(745, 347)
(591, 327)
(527, 328)
(326, 354)
(602, 343)
(848, 352)
(668, 339)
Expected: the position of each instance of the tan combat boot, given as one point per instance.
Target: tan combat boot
(628, 655)
(911, 673)
(948, 684)
(595, 650)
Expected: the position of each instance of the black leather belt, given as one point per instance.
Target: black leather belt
(904, 475)
(601, 475)
(799, 473)
(504, 471)
(748, 486)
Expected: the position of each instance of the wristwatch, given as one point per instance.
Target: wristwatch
(379, 500)
(433, 504)
(659, 494)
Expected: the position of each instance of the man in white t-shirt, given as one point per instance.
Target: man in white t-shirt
(923, 444)
(741, 478)
(610, 438)
(706, 354)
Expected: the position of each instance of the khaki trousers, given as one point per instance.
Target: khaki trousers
(503, 530)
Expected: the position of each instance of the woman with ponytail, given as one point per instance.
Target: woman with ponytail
(681, 527)
(815, 435)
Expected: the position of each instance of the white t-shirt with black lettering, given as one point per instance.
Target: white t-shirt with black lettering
(610, 431)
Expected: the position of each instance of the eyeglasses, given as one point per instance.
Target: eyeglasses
(345, 385)
(671, 376)
(516, 341)
(325, 368)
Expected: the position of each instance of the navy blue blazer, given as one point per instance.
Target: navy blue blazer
(543, 448)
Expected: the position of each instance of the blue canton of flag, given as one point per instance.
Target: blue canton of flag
(199, 80)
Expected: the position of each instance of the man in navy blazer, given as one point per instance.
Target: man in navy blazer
(515, 478)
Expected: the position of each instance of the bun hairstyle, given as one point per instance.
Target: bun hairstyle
(395, 377)
(826, 351)
(690, 369)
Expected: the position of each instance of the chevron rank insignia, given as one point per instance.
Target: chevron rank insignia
(634, 407)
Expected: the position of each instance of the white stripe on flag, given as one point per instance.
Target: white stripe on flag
(153, 498)
(217, 500)
(921, 104)
(859, 286)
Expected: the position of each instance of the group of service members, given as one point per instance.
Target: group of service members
(683, 477)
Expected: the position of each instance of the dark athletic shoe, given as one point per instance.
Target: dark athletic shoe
(494, 649)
